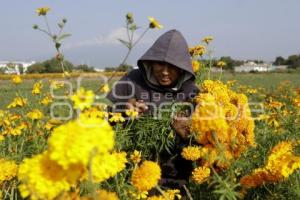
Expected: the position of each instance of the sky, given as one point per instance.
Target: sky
(242, 29)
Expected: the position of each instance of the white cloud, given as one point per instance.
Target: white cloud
(110, 39)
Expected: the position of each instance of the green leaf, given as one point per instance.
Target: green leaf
(60, 25)
(63, 36)
(127, 44)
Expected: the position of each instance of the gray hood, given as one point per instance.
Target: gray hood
(172, 48)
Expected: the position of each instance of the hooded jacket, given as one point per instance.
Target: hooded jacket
(171, 47)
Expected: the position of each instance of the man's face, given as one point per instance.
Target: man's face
(165, 73)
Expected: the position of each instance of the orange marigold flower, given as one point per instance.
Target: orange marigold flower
(146, 176)
(200, 174)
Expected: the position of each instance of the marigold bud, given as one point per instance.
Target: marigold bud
(35, 26)
(129, 18)
(64, 20)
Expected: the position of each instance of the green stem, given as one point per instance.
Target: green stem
(12, 193)
(126, 57)
(220, 76)
(44, 31)
(187, 192)
(143, 34)
(47, 24)
(60, 31)
(61, 62)
(210, 64)
(162, 192)
(117, 185)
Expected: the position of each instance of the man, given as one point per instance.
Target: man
(164, 76)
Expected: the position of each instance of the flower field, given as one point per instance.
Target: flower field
(46, 154)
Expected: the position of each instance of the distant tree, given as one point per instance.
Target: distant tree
(125, 68)
(230, 63)
(84, 68)
(2, 70)
(21, 68)
(258, 61)
(279, 61)
(10, 65)
(121, 68)
(50, 66)
(33, 69)
(293, 61)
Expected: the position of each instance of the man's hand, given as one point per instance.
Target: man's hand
(138, 106)
(181, 125)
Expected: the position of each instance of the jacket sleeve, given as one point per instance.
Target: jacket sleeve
(190, 90)
(121, 92)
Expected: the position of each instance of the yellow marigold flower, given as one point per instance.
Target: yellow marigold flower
(37, 88)
(116, 117)
(273, 121)
(191, 153)
(56, 84)
(87, 135)
(173, 194)
(16, 79)
(83, 99)
(42, 178)
(275, 104)
(17, 130)
(207, 39)
(263, 117)
(221, 64)
(207, 119)
(297, 102)
(154, 23)
(8, 170)
(1, 137)
(65, 74)
(13, 117)
(136, 157)
(17, 102)
(281, 163)
(131, 113)
(146, 176)
(251, 91)
(139, 195)
(103, 194)
(42, 11)
(196, 66)
(46, 100)
(95, 112)
(105, 88)
(224, 116)
(230, 83)
(200, 174)
(35, 114)
(198, 50)
(255, 179)
(52, 123)
(106, 165)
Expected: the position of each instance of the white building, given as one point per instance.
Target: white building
(14, 67)
(262, 67)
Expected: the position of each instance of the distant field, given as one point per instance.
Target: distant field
(269, 81)
(266, 80)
